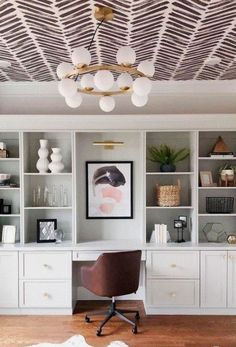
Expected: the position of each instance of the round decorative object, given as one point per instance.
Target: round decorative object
(42, 163)
(67, 87)
(56, 165)
(214, 232)
(107, 103)
(124, 81)
(227, 175)
(138, 100)
(63, 69)
(58, 235)
(103, 80)
(81, 56)
(142, 86)
(125, 56)
(74, 101)
(167, 168)
(231, 239)
(147, 68)
(87, 82)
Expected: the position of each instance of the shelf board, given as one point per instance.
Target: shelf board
(217, 214)
(47, 174)
(10, 188)
(170, 173)
(9, 159)
(206, 188)
(209, 158)
(174, 207)
(10, 215)
(48, 208)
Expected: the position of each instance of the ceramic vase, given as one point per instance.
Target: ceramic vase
(42, 163)
(56, 165)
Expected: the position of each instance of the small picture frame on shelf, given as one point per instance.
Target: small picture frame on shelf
(183, 220)
(206, 179)
(178, 224)
(46, 230)
(5, 209)
(8, 234)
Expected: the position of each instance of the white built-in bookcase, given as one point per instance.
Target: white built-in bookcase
(77, 148)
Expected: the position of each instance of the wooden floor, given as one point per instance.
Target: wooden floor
(159, 331)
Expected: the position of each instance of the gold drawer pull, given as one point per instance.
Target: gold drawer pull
(173, 265)
(173, 294)
(46, 295)
(46, 266)
(230, 257)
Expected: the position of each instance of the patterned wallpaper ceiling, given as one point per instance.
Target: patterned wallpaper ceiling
(178, 35)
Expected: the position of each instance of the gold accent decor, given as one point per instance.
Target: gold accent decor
(103, 13)
(108, 144)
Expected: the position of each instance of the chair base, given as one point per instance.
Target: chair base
(111, 312)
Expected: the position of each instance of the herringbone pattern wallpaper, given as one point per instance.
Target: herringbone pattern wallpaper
(178, 35)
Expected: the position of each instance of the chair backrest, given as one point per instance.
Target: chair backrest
(117, 273)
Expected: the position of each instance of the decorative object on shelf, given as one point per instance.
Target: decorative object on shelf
(4, 153)
(101, 84)
(183, 219)
(214, 232)
(168, 195)
(178, 224)
(42, 163)
(8, 234)
(59, 235)
(219, 204)
(231, 239)
(5, 180)
(221, 150)
(55, 196)
(160, 234)
(56, 165)
(108, 144)
(109, 187)
(227, 175)
(6, 209)
(206, 179)
(167, 157)
(46, 230)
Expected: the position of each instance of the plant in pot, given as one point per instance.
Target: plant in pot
(167, 156)
(227, 174)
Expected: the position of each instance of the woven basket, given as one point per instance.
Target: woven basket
(168, 195)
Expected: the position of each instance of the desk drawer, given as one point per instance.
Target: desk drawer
(172, 264)
(173, 293)
(41, 294)
(93, 255)
(45, 265)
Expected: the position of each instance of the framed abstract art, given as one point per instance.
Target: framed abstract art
(109, 189)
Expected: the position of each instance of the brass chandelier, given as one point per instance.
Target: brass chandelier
(98, 80)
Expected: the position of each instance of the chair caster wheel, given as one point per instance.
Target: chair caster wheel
(134, 330)
(87, 319)
(137, 316)
(99, 332)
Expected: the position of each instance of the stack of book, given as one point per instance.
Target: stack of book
(160, 234)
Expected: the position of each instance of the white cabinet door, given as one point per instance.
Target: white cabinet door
(232, 279)
(213, 279)
(8, 279)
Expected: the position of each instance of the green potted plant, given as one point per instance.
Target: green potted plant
(167, 156)
(227, 172)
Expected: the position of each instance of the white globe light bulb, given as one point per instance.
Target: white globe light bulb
(63, 69)
(124, 81)
(125, 55)
(67, 87)
(138, 100)
(142, 86)
(103, 80)
(74, 101)
(146, 67)
(87, 81)
(107, 103)
(81, 56)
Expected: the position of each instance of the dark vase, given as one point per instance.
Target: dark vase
(167, 168)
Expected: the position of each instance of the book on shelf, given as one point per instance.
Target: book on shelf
(160, 234)
(226, 155)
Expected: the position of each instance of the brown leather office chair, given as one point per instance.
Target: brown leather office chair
(113, 274)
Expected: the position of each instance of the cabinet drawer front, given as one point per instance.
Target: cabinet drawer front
(173, 293)
(45, 294)
(8, 279)
(45, 265)
(169, 264)
(8, 264)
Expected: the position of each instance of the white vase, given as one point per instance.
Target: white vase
(56, 165)
(42, 163)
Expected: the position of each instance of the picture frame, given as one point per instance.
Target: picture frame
(206, 179)
(184, 221)
(8, 234)
(45, 230)
(109, 189)
(178, 224)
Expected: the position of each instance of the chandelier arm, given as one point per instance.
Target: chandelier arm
(108, 93)
(92, 39)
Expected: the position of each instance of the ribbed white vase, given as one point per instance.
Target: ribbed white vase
(56, 165)
(42, 163)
